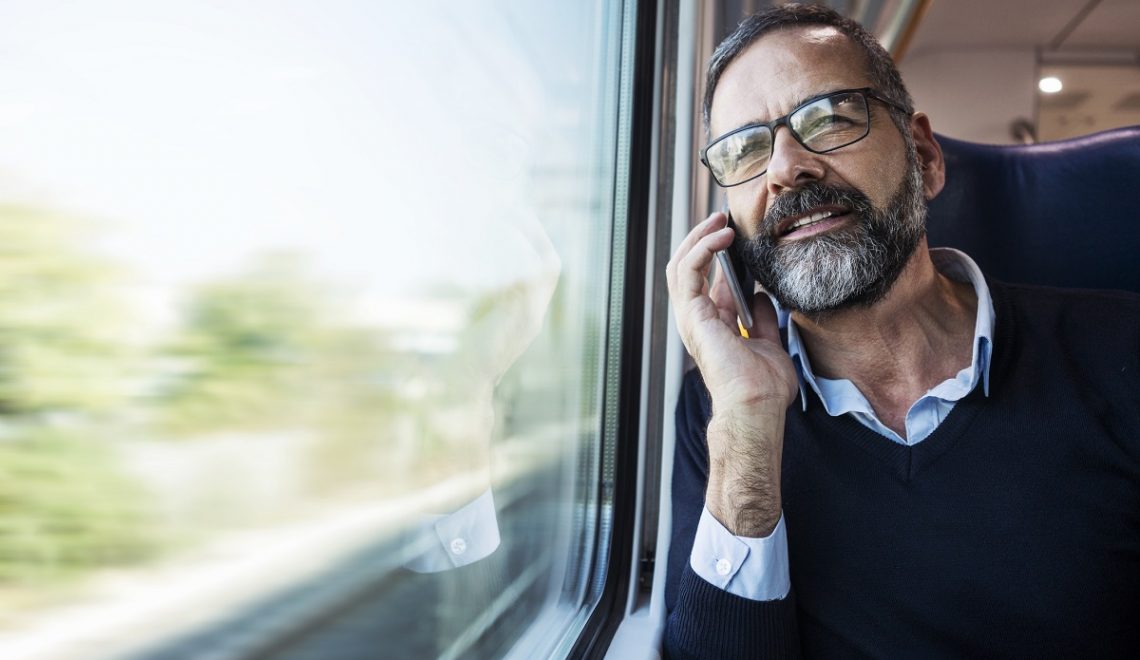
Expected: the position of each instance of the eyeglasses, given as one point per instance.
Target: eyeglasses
(822, 124)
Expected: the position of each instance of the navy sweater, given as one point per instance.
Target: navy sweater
(1012, 531)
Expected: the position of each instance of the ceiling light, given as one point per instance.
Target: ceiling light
(1049, 84)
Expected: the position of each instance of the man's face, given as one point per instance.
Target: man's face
(871, 191)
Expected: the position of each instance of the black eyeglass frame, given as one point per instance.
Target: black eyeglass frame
(868, 92)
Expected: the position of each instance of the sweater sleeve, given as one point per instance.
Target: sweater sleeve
(708, 622)
(705, 621)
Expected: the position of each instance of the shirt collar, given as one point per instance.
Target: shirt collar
(952, 263)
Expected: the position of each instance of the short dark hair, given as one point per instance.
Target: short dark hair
(880, 66)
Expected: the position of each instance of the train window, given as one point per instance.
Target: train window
(306, 316)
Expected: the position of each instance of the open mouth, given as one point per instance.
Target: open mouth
(818, 220)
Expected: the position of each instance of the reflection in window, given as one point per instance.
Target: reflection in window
(295, 295)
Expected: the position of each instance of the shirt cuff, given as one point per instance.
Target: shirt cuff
(440, 543)
(752, 568)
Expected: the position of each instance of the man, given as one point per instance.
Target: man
(959, 475)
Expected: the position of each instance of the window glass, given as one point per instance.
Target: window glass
(303, 313)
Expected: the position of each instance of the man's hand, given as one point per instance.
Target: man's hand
(752, 382)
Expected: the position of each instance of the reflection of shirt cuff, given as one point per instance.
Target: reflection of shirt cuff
(441, 543)
(756, 569)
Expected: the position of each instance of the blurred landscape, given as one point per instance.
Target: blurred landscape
(260, 401)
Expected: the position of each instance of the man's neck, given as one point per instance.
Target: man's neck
(895, 351)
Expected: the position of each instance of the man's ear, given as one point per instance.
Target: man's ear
(929, 155)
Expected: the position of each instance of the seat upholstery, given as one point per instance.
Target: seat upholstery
(1061, 213)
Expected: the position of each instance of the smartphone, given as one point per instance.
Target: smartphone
(742, 300)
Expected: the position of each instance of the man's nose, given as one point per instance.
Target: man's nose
(791, 165)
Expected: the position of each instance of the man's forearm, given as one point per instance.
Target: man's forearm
(744, 470)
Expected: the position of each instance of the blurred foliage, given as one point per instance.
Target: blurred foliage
(268, 352)
(65, 507)
(271, 348)
(61, 329)
(246, 351)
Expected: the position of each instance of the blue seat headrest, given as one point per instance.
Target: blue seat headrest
(1061, 213)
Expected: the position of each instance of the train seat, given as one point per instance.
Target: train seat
(1061, 213)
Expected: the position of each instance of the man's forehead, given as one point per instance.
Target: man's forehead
(781, 70)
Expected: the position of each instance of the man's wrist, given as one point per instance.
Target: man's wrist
(752, 517)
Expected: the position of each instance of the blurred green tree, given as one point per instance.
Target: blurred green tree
(62, 328)
(246, 352)
(65, 507)
(65, 370)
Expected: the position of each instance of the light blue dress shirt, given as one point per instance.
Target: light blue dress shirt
(757, 568)
(443, 542)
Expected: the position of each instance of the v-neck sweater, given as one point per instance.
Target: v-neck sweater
(1013, 530)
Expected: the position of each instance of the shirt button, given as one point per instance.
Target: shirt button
(723, 566)
(458, 546)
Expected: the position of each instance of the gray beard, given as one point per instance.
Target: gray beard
(852, 266)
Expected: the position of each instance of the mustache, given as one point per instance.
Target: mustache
(802, 200)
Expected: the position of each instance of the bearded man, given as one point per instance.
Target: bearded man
(960, 476)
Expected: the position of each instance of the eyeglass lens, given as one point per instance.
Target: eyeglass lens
(823, 125)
